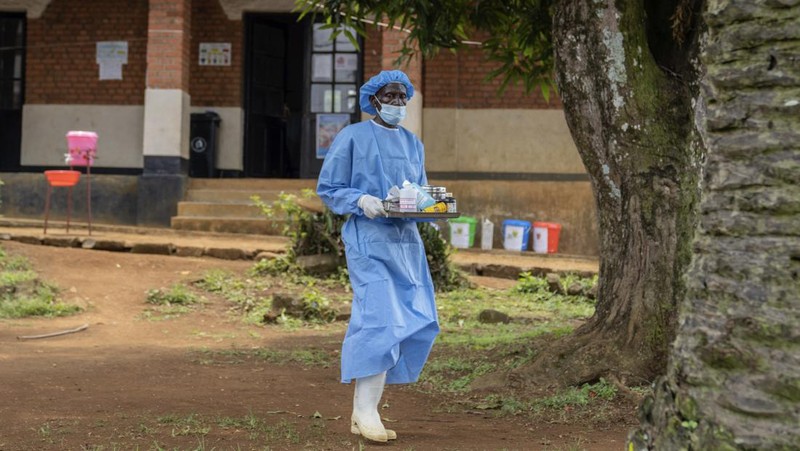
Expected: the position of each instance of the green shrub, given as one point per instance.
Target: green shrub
(311, 233)
(446, 277)
(528, 283)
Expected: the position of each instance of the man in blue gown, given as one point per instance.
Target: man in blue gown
(393, 322)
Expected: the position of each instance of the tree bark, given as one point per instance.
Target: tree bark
(628, 90)
(733, 379)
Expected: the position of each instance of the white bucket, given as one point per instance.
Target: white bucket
(540, 239)
(487, 234)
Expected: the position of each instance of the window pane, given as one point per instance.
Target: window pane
(346, 66)
(17, 96)
(6, 98)
(322, 67)
(18, 65)
(345, 99)
(343, 44)
(321, 99)
(322, 39)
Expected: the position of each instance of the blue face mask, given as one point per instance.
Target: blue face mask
(391, 114)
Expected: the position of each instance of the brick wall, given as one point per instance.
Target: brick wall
(60, 61)
(373, 44)
(459, 81)
(215, 85)
(169, 39)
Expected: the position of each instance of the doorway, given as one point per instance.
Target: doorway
(12, 88)
(273, 95)
(300, 88)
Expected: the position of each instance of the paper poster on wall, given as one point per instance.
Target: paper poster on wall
(214, 54)
(328, 126)
(346, 61)
(322, 68)
(110, 56)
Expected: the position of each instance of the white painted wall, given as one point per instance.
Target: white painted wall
(230, 153)
(34, 8)
(235, 8)
(166, 123)
(119, 129)
(499, 140)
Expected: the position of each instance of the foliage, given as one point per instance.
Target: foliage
(276, 266)
(23, 294)
(528, 283)
(574, 396)
(446, 277)
(311, 232)
(178, 294)
(518, 32)
(317, 307)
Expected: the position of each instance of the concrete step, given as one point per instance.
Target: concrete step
(219, 210)
(225, 205)
(254, 184)
(230, 195)
(261, 226)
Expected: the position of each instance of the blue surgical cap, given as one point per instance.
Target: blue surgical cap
(377, 82)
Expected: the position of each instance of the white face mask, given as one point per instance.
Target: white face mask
(391, 114)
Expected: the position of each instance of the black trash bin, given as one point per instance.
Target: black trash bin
(204, 134)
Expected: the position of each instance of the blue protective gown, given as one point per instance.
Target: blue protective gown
(393, 321)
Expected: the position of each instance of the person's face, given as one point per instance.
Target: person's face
(391, 94)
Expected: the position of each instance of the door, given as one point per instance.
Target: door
(12, 89)
(273, 95)
(335, 71)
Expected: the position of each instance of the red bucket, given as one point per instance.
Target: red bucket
(62, 178)
(545, 237)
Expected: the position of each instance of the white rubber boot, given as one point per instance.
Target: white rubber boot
(366, 419)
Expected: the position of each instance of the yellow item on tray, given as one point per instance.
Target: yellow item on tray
(438, 207)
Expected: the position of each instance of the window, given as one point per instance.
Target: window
(334, 72)
(12, 50)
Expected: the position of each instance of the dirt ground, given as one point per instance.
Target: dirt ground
(112, 385)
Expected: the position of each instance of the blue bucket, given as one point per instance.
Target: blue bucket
(515, 234)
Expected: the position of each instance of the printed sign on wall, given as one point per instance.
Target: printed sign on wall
(110, 56)
(215, 54)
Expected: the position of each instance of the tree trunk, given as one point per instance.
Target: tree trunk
(733, 379)
(628, 91)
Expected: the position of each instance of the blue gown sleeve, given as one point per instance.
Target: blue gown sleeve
(333, 185)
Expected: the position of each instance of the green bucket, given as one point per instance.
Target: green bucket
(462, 231)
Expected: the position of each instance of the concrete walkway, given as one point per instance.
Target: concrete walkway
(232, 246)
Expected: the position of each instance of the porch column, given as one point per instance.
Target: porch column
(392, 43)
(166, 111)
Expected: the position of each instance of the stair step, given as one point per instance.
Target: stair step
(231, 195)
(254, 184)
(219, 210)
(261, 226)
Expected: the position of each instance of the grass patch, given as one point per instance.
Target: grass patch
(23, 294)
(304, 357)
(178, 294)
(251, 296)
(588, 399)
(170, 303)
(258, 429)
(467, 349)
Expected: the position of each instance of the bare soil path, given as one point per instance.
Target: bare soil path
(128, 382)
